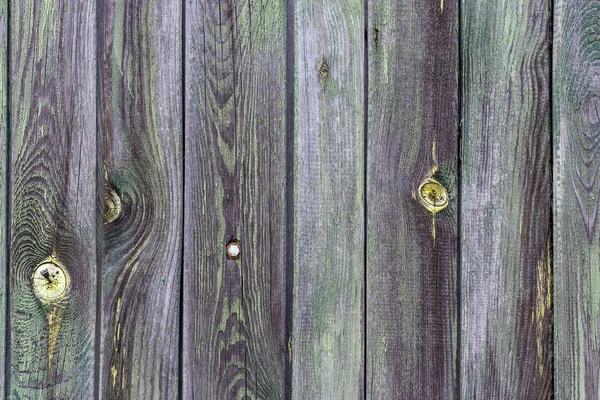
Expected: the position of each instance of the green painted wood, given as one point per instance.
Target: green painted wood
(411, 251)
(140, 120)
(506, 280)
(3, 185)
(328, 320)
(52, 108)
(576, 257)
(234, 343)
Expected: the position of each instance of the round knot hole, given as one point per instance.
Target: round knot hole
(432, 195)
(50, 281)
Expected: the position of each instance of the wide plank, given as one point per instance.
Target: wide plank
(328, 321)
(53, 214)
(576, 119)
(141, 168)
(412, 141)
(505, 201)
(234, 338)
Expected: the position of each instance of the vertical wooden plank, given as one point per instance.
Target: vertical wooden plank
(327, 340)
(576, 256)
(412, 247)
(506, 315)
(234, 343)
(53, 198)
(3, 187)
(141, 133)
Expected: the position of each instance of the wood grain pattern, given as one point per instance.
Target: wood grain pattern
(234, 343)
(140, 119)
(3, 186)
(328, 322)
(411, 253)
(576, 255)
(506, 315)
(52, 110)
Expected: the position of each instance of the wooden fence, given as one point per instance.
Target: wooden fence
(413, 187)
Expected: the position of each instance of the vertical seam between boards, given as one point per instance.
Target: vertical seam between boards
(181, 243)
(550, 250)
(459, 200)
(289, 191)
(7, 217)
(98, 185)
(365, 188)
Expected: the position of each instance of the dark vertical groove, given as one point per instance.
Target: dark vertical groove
(290, 103)
(551, 181)
(182, 276)
(365, 186)
(7, 338)
(100, 201)
(459, 202)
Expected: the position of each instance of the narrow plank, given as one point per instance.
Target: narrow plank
(3, 186)
(506, 315)
(140, 119)
(576, 257)
(327, 339)
(234, 343)
(53, 199)
(412, 249)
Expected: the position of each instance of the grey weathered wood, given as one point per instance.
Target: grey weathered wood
(3, 186)
(328, 325)
(52, 109)
(576, 186)
(140, 119)
(411, 252)
(506, 317)
(234, 342)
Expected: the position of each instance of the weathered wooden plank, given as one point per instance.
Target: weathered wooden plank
(576, 257)
(234, 342)
(327, 340)
(411, 249)
(3, 186)
(53, 198)
(140, 119)
(506, 317)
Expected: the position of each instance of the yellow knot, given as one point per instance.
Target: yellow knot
(432, 195)
(112, 205)
(50, 281)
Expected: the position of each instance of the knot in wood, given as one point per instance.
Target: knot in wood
(233, 250)
(432, 195)
(50, 281)
(324, 69)
(112, 205)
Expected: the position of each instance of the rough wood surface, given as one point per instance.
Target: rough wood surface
(506, 281)
(234, 342)
(140, 119)
(411, 252)
(3, 186)
(52, 110)
(576, 187)
(327, 340)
